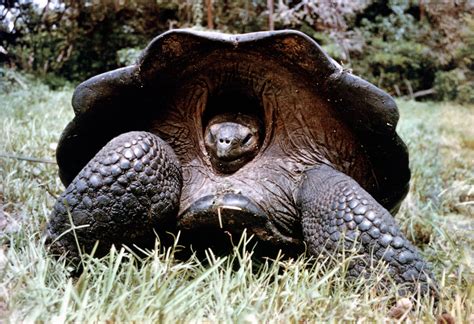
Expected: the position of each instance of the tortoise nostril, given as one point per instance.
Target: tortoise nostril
(224, 140)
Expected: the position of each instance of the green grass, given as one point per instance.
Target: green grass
(437, 215)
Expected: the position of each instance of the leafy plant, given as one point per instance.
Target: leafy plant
(403, 46)
(458, 84)
(128, 56)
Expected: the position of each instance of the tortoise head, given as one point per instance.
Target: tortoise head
(232, 139)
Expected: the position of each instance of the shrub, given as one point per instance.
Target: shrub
(466, 93)
(397, 65)
(458, 84)
(9, 79)
(447, 84)
(128, 56)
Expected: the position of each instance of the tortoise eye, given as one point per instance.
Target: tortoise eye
(246, 139)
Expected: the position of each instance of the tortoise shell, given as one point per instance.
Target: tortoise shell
(313, 112)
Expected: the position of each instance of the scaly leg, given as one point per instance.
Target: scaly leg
(335, 207)
(130, 189)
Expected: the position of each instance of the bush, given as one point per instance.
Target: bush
(447, 84)
(393, 57)
(10, 79)
(458, 84)
(466, 93)
(397, 65)
(402, 46)
(411, 46)
(55, 82)
(128, 56)
(454, 85)
(76, 40)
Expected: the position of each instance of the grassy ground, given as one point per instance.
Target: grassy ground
(438, 215)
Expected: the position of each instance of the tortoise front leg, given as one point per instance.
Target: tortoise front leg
(336, 209)
(130, 189)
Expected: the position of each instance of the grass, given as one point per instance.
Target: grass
(437, 215)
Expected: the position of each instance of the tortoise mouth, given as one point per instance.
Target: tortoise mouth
(226, 212)
(218, 221)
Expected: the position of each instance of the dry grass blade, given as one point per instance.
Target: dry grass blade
(26, 158)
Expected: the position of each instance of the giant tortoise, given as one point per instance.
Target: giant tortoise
(212, 135)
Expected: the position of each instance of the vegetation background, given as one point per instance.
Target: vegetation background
(416, 50)
(408, 47)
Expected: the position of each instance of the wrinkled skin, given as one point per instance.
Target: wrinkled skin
(246, 146)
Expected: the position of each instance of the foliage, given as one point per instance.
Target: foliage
(238, 16)
(10, 79)
(458, 83)
(448, 84)
(124, 286)
(397, 66)
(466, 92)
(76, 39)
(399, 45)
(403, 46)
(128, 56)
(413, 44)
(391, 56)
(327, 21)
